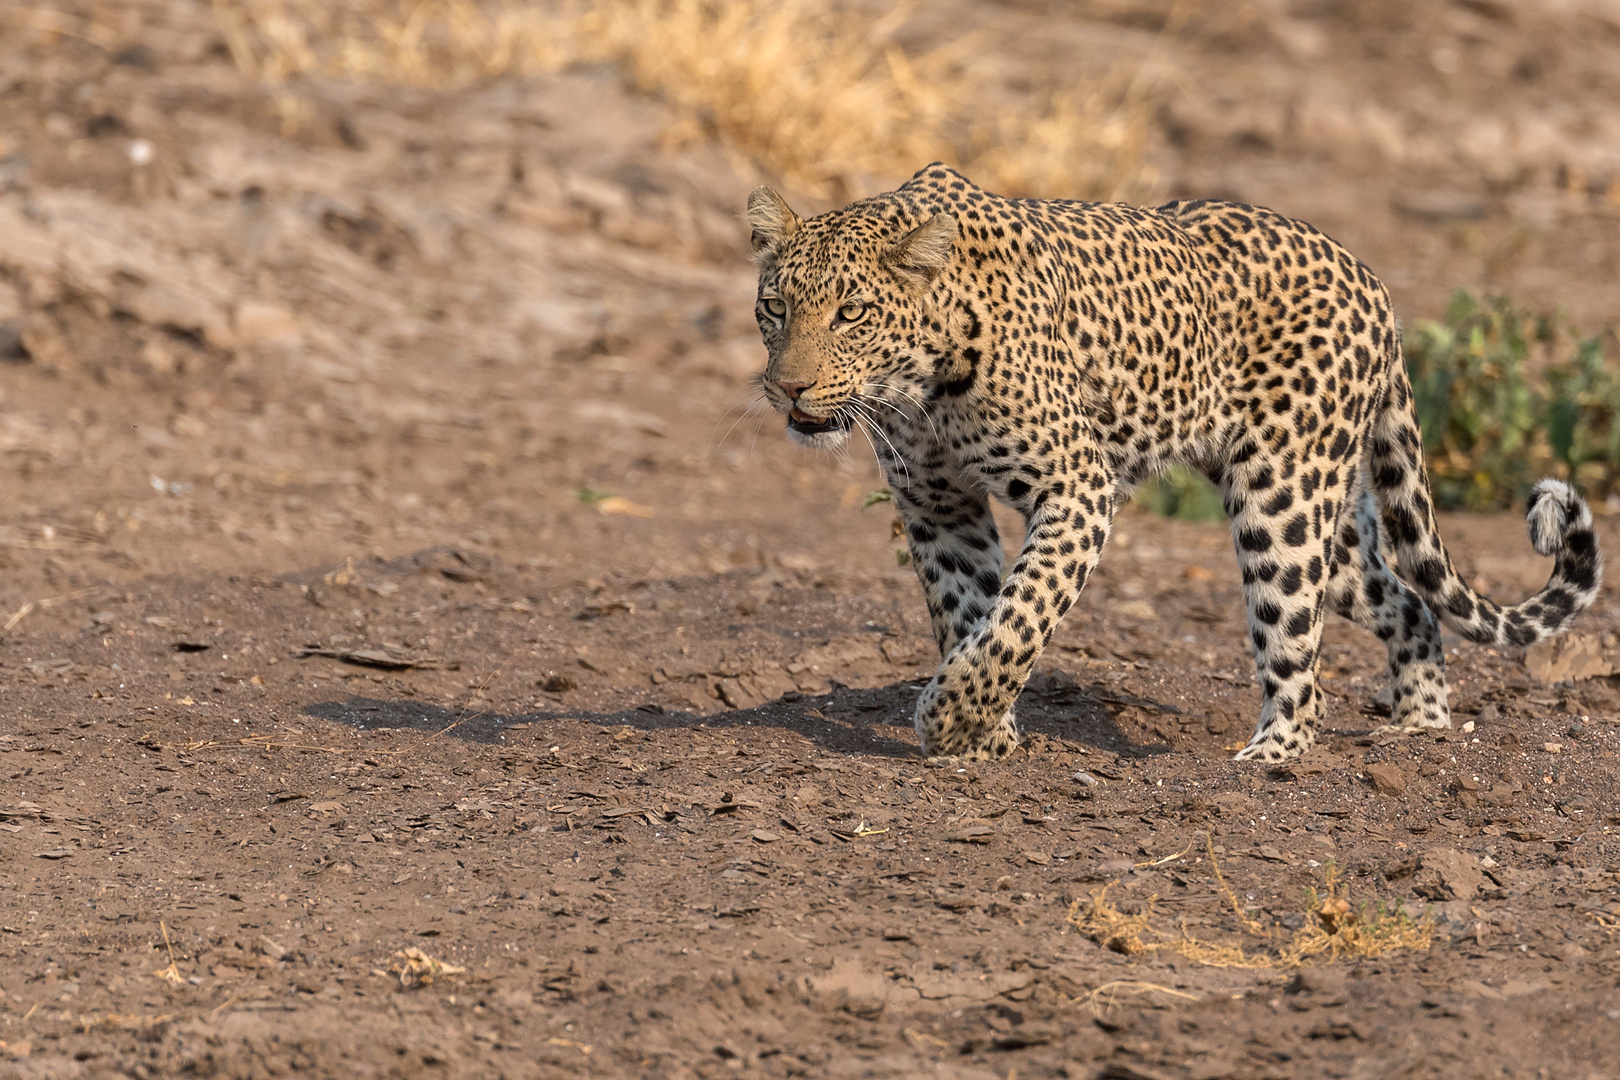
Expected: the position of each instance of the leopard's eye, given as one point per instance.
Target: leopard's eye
(852, 311)
(774, 307)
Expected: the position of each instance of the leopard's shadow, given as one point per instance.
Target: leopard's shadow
(857, 722)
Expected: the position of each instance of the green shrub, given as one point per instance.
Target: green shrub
(1505, 397)
(1181, 493)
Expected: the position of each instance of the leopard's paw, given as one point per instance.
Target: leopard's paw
(1277, 745)
(1413, 725)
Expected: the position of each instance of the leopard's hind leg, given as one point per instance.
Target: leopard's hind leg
(1361, 587)
(1284, 514)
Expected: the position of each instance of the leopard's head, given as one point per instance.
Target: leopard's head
(845, 308)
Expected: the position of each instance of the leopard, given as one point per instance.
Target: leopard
(1052, 355)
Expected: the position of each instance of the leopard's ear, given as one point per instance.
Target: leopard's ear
(773, 223)
(925, 250)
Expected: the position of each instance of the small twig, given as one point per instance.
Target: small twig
(464, 717)
(40, 605)
(1250, 924)
(20, 614)
(1166, 859)
(267, 742)
(1096, 999)
(47, 21)
(172, 972)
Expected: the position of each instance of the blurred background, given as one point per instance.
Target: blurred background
(284, 282)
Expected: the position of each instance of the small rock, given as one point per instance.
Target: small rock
(765, 836)
(1116, 866)
(1456, 874)
(973, 834)
(1387, 778)
(1553, 748)
(259, 323)
(1490, 714)
(1085, 778)
(1136, 609)
(1575, 804)
(1568, 658)
(1317, 981)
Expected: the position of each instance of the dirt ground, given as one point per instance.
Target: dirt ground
(390, 563)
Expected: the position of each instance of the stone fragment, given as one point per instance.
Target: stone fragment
(1387, 778)
(1447, 874)
(1569, 658)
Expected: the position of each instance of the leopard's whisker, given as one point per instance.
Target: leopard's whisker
(760, 417)
(869, 425)
(755, 407)
(922, 409)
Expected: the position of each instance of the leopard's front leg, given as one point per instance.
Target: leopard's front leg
(955, 548)
(966, 710)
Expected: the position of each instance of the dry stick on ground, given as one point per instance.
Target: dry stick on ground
(41, 605)
(1103, 998)
(1165, 859)
(46, 21)
(464, 717)
(1250, 924)
(268, 742)
(172, 972)
(120, 1022)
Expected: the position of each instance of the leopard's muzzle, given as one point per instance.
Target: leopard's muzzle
(806, 424)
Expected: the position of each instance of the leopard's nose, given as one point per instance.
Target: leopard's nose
(793, 389)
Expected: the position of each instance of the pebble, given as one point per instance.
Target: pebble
(1085, 778)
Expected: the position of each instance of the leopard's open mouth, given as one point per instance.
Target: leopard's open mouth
(805, 424)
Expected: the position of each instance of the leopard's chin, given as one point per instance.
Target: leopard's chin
(826, 433)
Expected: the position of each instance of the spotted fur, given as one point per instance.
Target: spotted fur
(1053, 354)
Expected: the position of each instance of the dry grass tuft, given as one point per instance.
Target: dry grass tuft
(170, 974)
(1333, 928)
(416, 968)
(1112, 928)
(818, 94)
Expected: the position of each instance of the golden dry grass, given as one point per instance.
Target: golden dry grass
(416, 968)
(818, 95)
(1333, 929)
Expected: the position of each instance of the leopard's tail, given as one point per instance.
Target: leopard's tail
(1560, 526)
